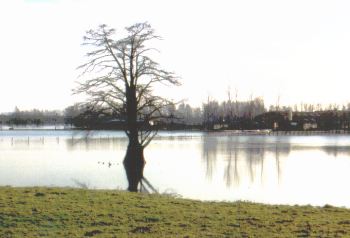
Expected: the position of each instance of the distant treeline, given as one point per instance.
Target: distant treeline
(212, 115)
(252, 114)
(31, 117)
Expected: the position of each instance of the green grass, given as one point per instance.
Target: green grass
(65, 212)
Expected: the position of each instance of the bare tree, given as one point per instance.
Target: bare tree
(122, 79)
(236, 102)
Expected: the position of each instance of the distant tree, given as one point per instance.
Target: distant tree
(72, 113)
(123, 75)
(319, 107)
(16, 110)
(295, 107)
(211, 113)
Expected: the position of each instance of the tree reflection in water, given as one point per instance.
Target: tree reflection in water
(227, 174)
(209, 154)
(243, 156)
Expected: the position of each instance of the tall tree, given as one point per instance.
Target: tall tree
(123, 75)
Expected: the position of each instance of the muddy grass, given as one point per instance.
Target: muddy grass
(64, 212)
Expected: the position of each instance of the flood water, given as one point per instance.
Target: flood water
(208, 166)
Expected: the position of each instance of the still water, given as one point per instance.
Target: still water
(208, 166)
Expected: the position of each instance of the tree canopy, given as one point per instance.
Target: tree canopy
(123, 75)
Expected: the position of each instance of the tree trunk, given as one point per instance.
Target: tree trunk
(134, 163)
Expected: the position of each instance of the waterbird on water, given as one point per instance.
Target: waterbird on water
(109, 163)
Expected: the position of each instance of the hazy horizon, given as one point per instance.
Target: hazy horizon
(296, 51)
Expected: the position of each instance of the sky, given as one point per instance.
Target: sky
(297, 51)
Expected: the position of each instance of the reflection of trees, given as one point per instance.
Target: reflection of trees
(210, 145)
(242, 155)
(332, 150)
(255, 158)
(277, 158)
(336, 150)
(227, 174)
(262, 157)
(91, 143)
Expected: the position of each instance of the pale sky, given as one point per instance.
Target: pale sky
(299, 50)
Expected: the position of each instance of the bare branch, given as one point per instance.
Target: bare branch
(123, 77)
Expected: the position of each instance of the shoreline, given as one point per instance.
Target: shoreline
(234, 131)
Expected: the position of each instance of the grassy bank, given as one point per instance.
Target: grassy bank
(53, 212)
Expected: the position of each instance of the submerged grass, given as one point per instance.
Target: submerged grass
(66, 212)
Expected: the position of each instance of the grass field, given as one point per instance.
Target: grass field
(65, 212)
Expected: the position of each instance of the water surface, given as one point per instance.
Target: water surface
(208, 166)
